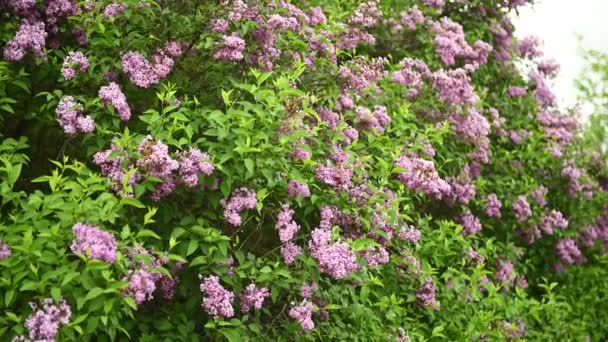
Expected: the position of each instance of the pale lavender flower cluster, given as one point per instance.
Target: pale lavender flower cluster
(359, 74)
(568, 251)
(31, 36)
(74, 63)
(515, 91)
(375, 120)
(111, 165)
(366, 15)
(21, 7)
(112, 95)
(472, 127)
(461, 190)
(157, 162)
(5, 250)
(217, 301)
(450, 43)
(544, 95)
(410, 234)
(316, 16)
(286, 225)
(435, 3)
(334, 258)
(493, 206)
(70, 117)
(296, 188)
(168, 284)
(253, 297)
(337, 177)
(554, 220)
(302, 313)
(559, 128)
(412, 17)
(242, 198)
(475, 256)
(548, 67)
(143, 73)
(521, 208)
(93, 242)
(193, 162)
(577, 180)
(426, 294)
(230, 49)
(539, 195)
(375, 256)
(412, 73)
(454, 87)
(113, 9)
(421, 176)
(471, 224)
(529, 47)
(44, 324)
(505, 273)
(142, 285)
(517, 136)
(290, 251)
(352, 37)
(307, 290)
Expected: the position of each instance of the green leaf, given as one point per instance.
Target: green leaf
(147, 233)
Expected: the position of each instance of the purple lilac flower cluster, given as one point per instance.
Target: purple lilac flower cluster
(242, 198)
(412, 73)
(71, 118)
(93, 242)
(302, 313)
(44, 324)
(191, 163)
(253, 297)
(286, 226)
(521, 208)
(450, 43)
(145, 74)
(31, 36)
(217, 301)
(539, 195)
(493, 206)
(230, 49)
(454, 87)
(505, 273)
(412, 17)
(74, 63)
(375, 120)
(515, 91)
(578, 180)
(471, 224)
(567, 250)
(337, 177)
(421, 176)
(296, 188)
(5, 250)
(113, 9)
(554, 220)
(426, 294)
(112, 95)
(358, 75)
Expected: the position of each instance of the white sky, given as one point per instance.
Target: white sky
(557, 22)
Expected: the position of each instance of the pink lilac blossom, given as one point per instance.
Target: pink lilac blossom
(337, 177)
(230, 49)
(217, 301)
(412, 17)
(505, 273)
(528, 47)
(558, 127)
(302, 313)
(426, 294)
(521, 208)
(472, 127)
(44, 324)
(462, 190)
(554, 220)
(286, 226)
(93, 242)
(434, 3)
(242, 198)
(80, 35)
(352, 37)
(307, 290)
(155, 158)
(168, 284)
(173, 49)
(113, 9)
(376, 256)
(514, 91)
(70, 117)
(112, 95)
(296, 188)
(544, 96)
(493, 206)
(21, 7)
(517, 136)
(143, 73)
(475, 256)
(300, 153)
(366, 15)
(454, 87)
(568, 251)
(74, 63)
(375, 120)
(548, 67)
(290, 252)
(450, 43)
(334, 258)
(193, 162)
(329, 117)
(253, 297)
(539, 196)
(412, 73)
(421, 176)
(470, 223)
(5, 250)
(359, 74)
(219, 26)
(142, 285)
(31, 36)
(344, 102)
(410, 234)
(316, 16)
